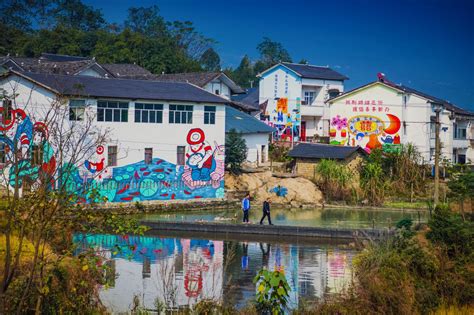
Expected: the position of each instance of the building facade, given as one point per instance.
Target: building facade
(165, 140)
(256, 134)
(294, 98)
(385, 115)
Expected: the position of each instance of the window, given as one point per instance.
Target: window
(180, 155)
(112, 155)
(37, 156)
(148, 113)
(77, 109)
(148, 155)
(112, 111)
(333, 93)
(217, 92)
(181, 114)
(308, 97)
(461, 159)
(459, 132)
(209, 115)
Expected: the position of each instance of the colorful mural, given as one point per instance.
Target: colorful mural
(202, 176)
(367, 131)
(286, 118)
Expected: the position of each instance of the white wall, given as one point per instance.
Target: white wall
(218, 85)
(280, 82)
(90, 72)
(132, 138)
(415, 115)
(254, 142)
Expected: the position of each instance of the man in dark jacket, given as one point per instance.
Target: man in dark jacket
(266, 211)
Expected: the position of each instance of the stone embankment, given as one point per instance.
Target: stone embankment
(295, 191)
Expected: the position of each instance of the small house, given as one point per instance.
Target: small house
(308, 155)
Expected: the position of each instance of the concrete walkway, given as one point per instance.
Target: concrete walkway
(273, 230)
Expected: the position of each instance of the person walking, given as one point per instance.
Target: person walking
(246, 208)
(266, 211)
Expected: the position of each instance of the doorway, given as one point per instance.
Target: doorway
(303, 131)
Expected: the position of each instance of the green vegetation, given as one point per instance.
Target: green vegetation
(71, 27)
(272, 292)
(334, 179)
(235, 151)
(416, 272)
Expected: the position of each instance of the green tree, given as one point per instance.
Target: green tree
(146, 21)
(461, 185)
(235, 151)
(210, 60)
(303, 62)
(75, 14)
(244, 74)
(272, 52)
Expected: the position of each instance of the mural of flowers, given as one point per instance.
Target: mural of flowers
(339, 122)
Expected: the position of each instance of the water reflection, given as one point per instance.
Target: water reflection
(179, 272)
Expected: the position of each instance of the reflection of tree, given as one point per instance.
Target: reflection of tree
(167, 287)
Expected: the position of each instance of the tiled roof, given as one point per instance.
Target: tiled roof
(196, 78)
(200, 79)
(315, 72)
(128, 70)
(244, 123)
(41, 65)
(64, 64)
(62, 58)
(323, 151)
(250, 98)
(87, 86)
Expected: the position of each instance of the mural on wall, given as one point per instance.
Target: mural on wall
(375, 130)
(286, 119)
(21, 134)
(201, 177)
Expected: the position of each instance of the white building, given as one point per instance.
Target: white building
(166, 139)
(384, 115)
(255, 133)
(214, 82)
(295, 96)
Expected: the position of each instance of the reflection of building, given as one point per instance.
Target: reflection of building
(384, 115)
(181, 272)
(295, 96)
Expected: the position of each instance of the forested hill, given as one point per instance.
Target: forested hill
(146, 38)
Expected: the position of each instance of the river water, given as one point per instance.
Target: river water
(180, 269)
(179, 272)
(328, 217)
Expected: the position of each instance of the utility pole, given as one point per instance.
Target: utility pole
(437, 108)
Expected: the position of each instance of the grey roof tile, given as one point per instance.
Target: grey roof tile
(315, 72)
(323, 151)
(87, 86)
(244, 123)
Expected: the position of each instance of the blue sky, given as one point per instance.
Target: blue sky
(425, 44)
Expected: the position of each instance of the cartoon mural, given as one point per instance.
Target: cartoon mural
(286, 119)
(201, 177)
(367, 131)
